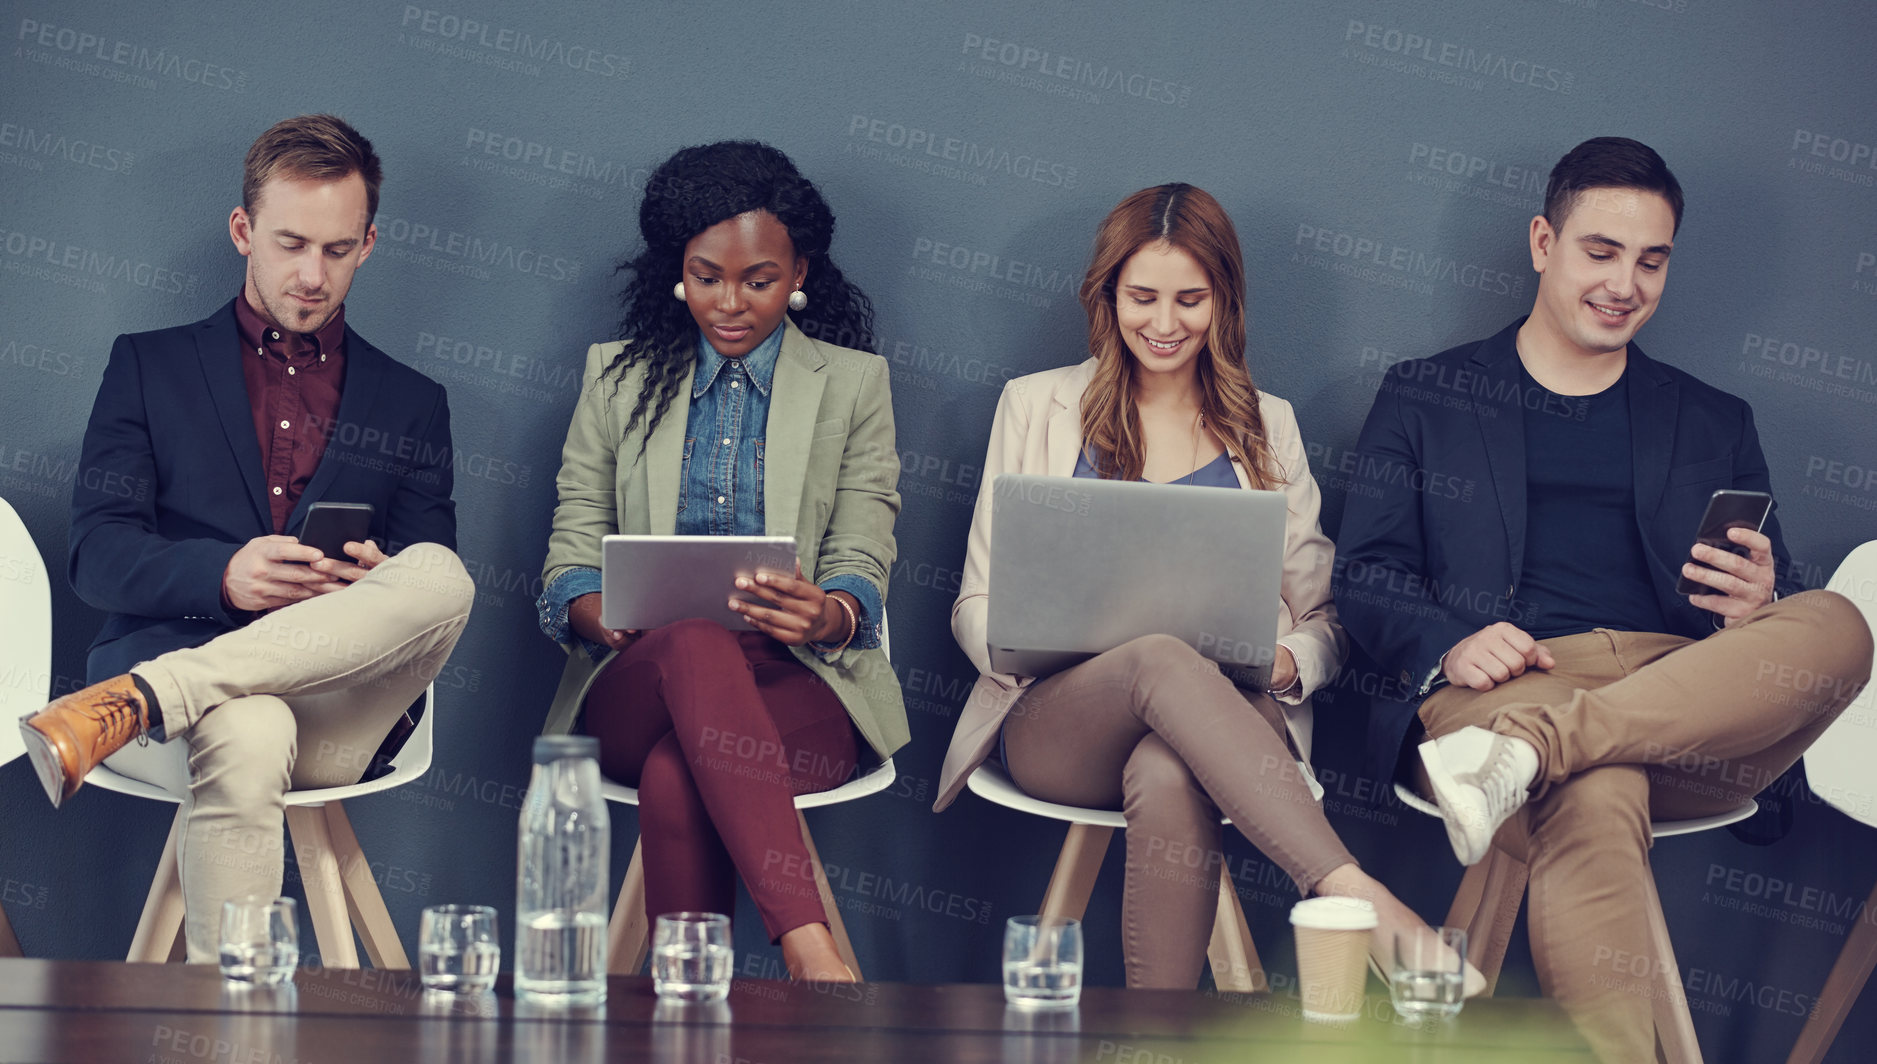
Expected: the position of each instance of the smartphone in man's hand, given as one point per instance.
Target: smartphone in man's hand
(1727, 508)
(331, 525)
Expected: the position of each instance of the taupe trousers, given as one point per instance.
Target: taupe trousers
(1635, 726)
(1154, 728)
(326, 677)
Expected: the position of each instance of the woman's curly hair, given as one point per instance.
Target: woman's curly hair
(690, 192)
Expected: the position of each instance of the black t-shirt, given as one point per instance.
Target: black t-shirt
(1584, 561)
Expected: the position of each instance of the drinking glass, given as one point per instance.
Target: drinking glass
(691, 957)
(260, 942)
(1042, 962)
(1429, 974)
(458, 949)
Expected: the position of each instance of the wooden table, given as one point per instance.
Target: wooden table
(94, 1011)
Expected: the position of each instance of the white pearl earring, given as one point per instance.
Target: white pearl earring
(798, 300)
(677, 291)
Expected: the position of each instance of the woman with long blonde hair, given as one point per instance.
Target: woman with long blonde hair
(1152, 727)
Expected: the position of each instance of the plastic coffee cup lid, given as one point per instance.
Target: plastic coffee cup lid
(1334, 914)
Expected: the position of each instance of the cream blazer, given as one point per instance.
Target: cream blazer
(831, 481)
(1038, 429)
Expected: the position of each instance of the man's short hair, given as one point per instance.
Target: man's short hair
(315, 148)
(1608, 162)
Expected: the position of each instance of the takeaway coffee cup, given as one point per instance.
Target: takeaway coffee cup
(1332, 956)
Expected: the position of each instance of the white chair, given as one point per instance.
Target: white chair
(629, 934)
(1236, 967)
(341, 895)
(1491, 892)
(25, 649)
(1838, 769)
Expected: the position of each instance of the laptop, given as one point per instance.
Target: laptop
(1080, 566)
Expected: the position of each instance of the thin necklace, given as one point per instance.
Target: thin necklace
(1199, 432)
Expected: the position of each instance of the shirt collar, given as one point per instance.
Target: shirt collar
(258, 334)
(760, 364)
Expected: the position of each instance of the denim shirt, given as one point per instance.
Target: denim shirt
(721, 483)
(722, 493)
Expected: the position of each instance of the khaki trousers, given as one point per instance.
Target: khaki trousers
(1635, 726)
(1155, 729)
(300, 698)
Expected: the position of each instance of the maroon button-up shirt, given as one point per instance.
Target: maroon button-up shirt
(294, 381)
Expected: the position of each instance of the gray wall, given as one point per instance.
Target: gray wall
(969, 150)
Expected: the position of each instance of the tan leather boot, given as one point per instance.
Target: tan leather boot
(70, 737)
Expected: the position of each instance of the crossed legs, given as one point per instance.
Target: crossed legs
(1154, 728)
(301, 697)
(720, 731)
(1631, 727)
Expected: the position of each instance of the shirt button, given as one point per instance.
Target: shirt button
(733, 384)
(284, 425)
(726, 441)
(289, 371)
(276, 491)
(273, 336)
(719, 498)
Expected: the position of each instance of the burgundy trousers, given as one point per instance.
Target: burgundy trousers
(719, 731)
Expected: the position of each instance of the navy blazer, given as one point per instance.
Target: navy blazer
(170, 480)
(1433, 532)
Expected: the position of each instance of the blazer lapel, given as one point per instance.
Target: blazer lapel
(794, 405)
(1654, 398)
(1502, 425)
(218, 349)
(358, 394)
(1063, 438)
(664, 456)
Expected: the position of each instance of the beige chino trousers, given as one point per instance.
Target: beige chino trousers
(1635, 726)
(300, 698)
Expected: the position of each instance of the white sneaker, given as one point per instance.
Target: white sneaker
(1480, 779)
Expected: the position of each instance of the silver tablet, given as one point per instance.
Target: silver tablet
(649, 581)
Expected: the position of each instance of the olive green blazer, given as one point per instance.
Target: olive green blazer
(831, 475)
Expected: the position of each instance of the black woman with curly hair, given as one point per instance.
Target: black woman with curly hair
(742, 401)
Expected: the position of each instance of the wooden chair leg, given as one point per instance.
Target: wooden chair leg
(325, 888)
(159, 929)
(1674, 1027)
(628, 937)
(1842, 987)
(1076, 868)
(1487, 906)
(1235, 965)
(835, 924)
(364, 903)
(1470, 896)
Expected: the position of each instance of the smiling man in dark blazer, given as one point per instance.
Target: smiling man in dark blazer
(259, 663)
(1510, 554)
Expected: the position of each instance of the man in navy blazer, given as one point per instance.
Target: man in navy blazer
(259, 662)
(1509, 557)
